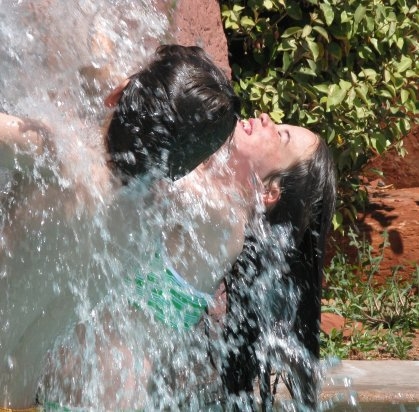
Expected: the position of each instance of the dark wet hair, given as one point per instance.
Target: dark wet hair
(304, 211)
(171, 115)
(308, 195)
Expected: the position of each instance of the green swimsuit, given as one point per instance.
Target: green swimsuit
(171, 298)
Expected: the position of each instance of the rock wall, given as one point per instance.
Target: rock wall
(394, 206)
(198, 23)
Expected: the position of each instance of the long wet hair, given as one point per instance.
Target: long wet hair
(171, 115)
(308, 196)
(303, 214)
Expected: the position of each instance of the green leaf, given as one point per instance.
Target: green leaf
(384, 93)
(231, 25)
(291, 31)
(328, 13)
(370, 23)
(335, 97)
(404, 64)
(247, 22)
(243, 84)
(366, 53)
(287, 45)
(400, 43)
(351, 97)
(237, 8)
(369, 74)
(266, 98)
(337, 220)
(387, 76)
(286, 61)
(359, 13)
(344, 18)
(404, 96)
(268, 4)
(306, 31)
(378, 46)
(391, 89)
(277, 116)
(323, 32)
(255, 94)
(314, 49)
(362, 92)
(306, 71)
(379, 142)
(322, 88)
(345, 85)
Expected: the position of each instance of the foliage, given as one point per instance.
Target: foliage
(347, 69)
(388, 313)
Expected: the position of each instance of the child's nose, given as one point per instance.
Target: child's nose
(265, 119)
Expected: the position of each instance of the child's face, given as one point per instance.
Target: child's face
(271, 147)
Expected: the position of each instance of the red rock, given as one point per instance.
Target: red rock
(198, 23)
(394, 208)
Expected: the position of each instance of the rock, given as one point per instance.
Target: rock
(395, 211)
(394, 208)
(198, 23)
(331, 321)
(401, 172)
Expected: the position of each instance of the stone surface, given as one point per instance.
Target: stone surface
(198, 23)
(401, 172)
(369, 381)
(390, 381)
(394, 208)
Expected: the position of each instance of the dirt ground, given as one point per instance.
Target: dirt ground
(394, 207)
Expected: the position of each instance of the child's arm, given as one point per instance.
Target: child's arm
(21, 141)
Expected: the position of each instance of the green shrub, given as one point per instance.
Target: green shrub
(347, 69)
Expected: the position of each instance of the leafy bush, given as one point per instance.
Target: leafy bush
(347, 69)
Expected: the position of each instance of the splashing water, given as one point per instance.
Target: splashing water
(69, 262)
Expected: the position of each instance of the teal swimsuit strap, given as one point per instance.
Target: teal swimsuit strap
(171, 298)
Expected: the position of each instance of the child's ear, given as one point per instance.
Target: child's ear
(113, 98)
(272, 195)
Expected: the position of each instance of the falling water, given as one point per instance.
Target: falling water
(68, 262)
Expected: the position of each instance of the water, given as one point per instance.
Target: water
(68, 262)
(60, 254)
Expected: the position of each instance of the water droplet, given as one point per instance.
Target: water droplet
(10, 363)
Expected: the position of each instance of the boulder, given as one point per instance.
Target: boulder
(198, 23)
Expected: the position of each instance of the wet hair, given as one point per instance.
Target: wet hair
(171, 115)
(308, 195)
(305, 210)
